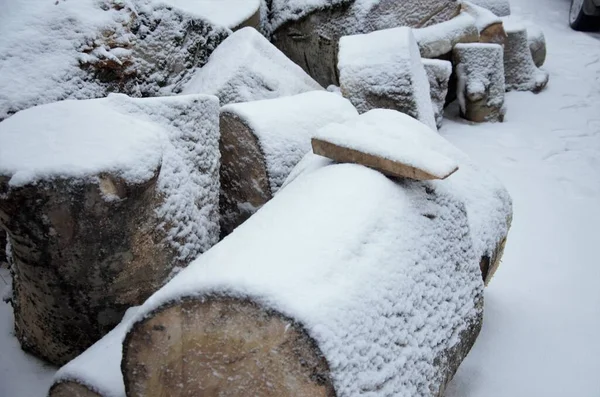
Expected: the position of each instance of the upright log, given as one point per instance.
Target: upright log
(520, 70)
(438, 73)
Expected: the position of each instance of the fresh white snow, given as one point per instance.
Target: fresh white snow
(437, 40)
(394, 136)
(227, 13)
(283, 126)
(542, 309)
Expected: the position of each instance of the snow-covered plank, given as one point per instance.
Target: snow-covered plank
(388, 141)
(246, 67)
(383, 69)
(262, 141)
(378, 278)
(103, 199)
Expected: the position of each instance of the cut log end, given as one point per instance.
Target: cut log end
(71, 389)
(221, 346)
(385, 166)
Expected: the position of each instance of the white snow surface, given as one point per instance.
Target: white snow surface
(340, 270)
(284, 126)
(483, 16)
(394, 136)
(437, 40)
(500, 8)
(99, 367)
(385, 61)
(247, 67)
(227, 13)
(78, 139)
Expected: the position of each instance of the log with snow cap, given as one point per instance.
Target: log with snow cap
(439, 73)
(500, 8)
(101, 200)
(262, 141)
(489, 24)
(345, 283)
(308, 32)
(247, 67)
(437, 40)
(383, 69)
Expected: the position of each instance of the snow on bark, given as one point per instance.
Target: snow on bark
(231, 14)
(500, 8)
(57, 50)
(389, 141)
(520, 70)
(438, 74)
(383, 69)
(537, 44)
(437, 40)
(246, 67)
(262, 141)
(102, 199)
(381, 275)
(308, 32)
(480, 87)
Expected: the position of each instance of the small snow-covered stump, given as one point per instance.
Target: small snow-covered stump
(262, 141)
(354, 283)
(376, 139)
(500, 8)
(480, 74)
(383, 69)
(309, 32)
(438, 73)
(246, 67)
(101, 200)
(437, 40)
(520, 71)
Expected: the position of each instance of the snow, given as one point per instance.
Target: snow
(483, 17)
(78, 139)
(283, 126)
(437, 40)
(348, 265)
(394, 136)
(385, 63)
(98, 368)
(438, 73)
(227, 13)
(247, 67)
(500, 8)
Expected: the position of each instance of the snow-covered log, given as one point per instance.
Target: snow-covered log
(262, 141)
(521, 73)
(383, 69)
(309, 32)
(102, 199)
(480, 87)
(437, 40)
(438, 73)
(346, 283)
(389, 142)
(3, 258)
(139, 47)
(489, 25)
(246, 67)
(500, 8)
(537, 44)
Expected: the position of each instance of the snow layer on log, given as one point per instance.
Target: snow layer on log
(283, 126)
(437, 40)
(55, 50)
(246, 67)
(499, 7)
(78, 139)
(227, 13)
(438, 73)
(383, 303)
(383, 69)
(393, 136)
(483, 17)
(99, 367)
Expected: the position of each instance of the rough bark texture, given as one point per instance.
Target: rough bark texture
(312, 41)
(386, 166)
(490, 264)
(80, 260)
(499, 7)
(221, 346)
(71, 389)
(480, 82)
(537, 45)
(438, 73)
(241, 155)
(3, 253)
(520, 70)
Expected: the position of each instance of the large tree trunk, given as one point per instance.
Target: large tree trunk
(314, 298)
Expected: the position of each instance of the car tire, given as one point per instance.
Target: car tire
(579, 20)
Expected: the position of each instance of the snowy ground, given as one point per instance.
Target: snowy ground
(543, 306)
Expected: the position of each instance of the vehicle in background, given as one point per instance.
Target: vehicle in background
(584, 15)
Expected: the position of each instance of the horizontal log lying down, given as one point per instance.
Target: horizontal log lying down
(345, 283)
